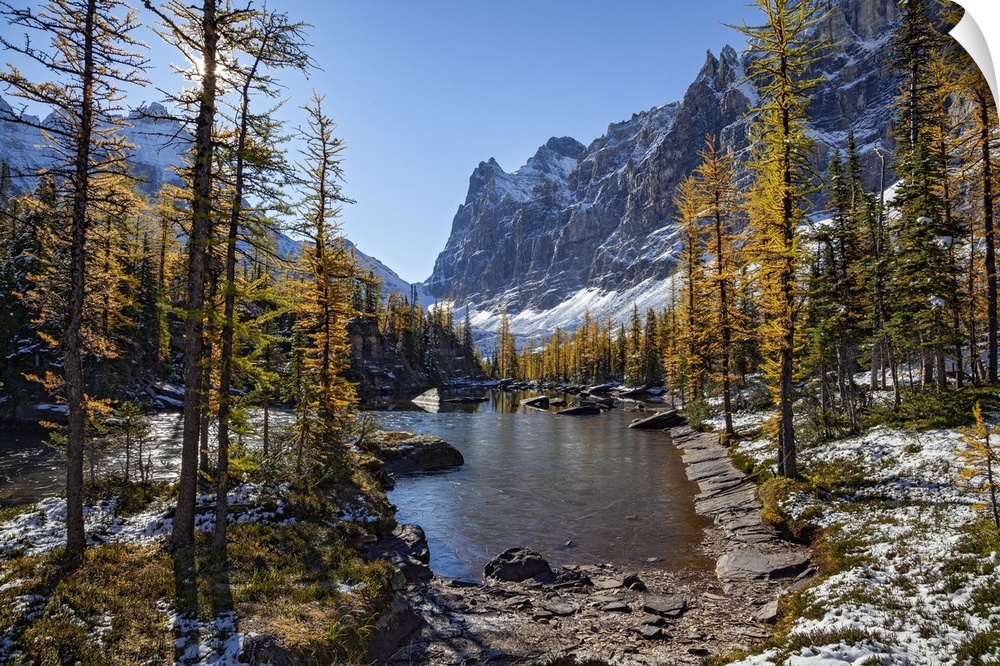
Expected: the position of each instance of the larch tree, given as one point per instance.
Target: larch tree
(782, 50)
(272, 43)
(93, 52)
(198, 32)
(693, 364)
(715, 181)
(323, 309)
(979, 163)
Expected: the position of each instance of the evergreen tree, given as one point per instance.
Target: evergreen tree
(197, 32)
(784, 47)
(92, 53)
(917, 321)
(323, 310)
(258, 166)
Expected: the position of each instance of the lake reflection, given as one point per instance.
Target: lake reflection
(577, 489)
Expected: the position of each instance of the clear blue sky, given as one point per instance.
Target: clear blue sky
(424, 91)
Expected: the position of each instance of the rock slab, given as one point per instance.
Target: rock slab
(753, 564)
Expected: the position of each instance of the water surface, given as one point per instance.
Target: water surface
(576, 489)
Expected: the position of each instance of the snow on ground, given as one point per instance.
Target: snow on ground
(216, 643)
(910, 594)
(43, 528)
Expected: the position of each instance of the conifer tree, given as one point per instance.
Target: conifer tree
(506, 352)
(982, 458)
(204, 34)
(651, 353)
(715, 178)
(272, 43)
(633, 365)
(784, 47)
(693, 364)
(92, 53)
(918, 320)
(323, 309)
(979, 158)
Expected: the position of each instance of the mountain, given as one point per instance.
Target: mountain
(159, 145)
(158, 139)
(592, 227)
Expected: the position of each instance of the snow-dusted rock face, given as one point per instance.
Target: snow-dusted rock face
(157, 138)
(159, 144)
(574, 224)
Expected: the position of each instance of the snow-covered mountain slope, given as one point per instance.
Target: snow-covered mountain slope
(159, 145)
(553, 239)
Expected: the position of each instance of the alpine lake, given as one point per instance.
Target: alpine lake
(578, 489)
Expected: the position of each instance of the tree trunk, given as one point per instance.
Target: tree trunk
(990, 238)
(201, 209)
(75, 398)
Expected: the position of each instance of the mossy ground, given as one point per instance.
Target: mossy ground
(908, 563)
(302, 588)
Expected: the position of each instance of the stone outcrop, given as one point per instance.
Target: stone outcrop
(382, 367)
(601, 217)
(658, 421)
(587, 611)
(750, 549)
(408, 453)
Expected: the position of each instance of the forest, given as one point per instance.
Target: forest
(830, 291)
(832, 294)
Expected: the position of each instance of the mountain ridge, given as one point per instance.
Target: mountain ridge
(604, 238)
(158, 149)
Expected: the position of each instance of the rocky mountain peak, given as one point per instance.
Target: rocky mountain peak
(593, 228)
(566, 146)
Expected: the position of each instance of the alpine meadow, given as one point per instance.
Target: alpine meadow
(719, 387)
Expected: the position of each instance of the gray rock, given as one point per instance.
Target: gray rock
(589, 219)
(650, 632)
(767, 613)
(616, 607)
(652, 620)
(608, 583)
(665, 606)
(541, 402)
(419, 453)
(416, 541)
(517, 565)
(559, 607)
(753, 564)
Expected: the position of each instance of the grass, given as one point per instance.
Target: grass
(103, 611)
(284, 582)
(304, 589)
(931, 409)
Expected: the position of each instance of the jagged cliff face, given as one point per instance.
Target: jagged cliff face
(158, 143)
(599, 220)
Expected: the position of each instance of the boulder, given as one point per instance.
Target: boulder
(658, 421)
(406, 549)
(665, 606)
(540, 402)
(753, 564)
(419, 453)
(429, 401)
(582, 410)
(516, 565)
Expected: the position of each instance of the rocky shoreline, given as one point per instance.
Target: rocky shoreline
(640, 615)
